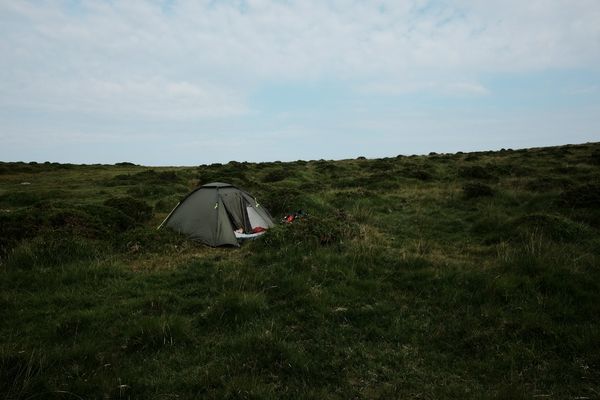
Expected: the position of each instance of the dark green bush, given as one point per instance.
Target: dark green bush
(150, 177)
(275, 175)
(547, 184)
(79, 222)
(584, 196)
(30, 197)
(166, 204)
(279, 200)
(311, 186)
(18, 225)
(89, 221)
(491, 228)
(510, 169)
(235, 165)
(151, 190)
(329, 168)
(475, 172)
(109, 218)
(19, 167)
(475, 189)
(233, 173)
(136, 209)
(569, 170)
(379, 165)
(21, 199)
(595, 157)
(417, 173)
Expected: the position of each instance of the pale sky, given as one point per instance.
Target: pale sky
(193, 82)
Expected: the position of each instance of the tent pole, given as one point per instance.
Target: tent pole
(167, 217)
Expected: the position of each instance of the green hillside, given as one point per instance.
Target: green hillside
(471, 276)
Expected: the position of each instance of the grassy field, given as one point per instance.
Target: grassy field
(471, 276)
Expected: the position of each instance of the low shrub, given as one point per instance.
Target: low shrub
(240, 166)
(26, 198)
(475, 190)
(275, 175)
(155, 191)
(152, 176)
(16, 226)
(84, 221)
(491, 227)
(548, 184)
(417, 173)
(311, 186)
(475, 172)
(166, 204)
(279, 200)
(583, 196)
(233, 173)
(78, 222)
(112, 220)
(510, 169)
(378, 165)
(138, 210)
(595, 157)
(328, 168)
(17, 167)
(145, 177)
(570, 170)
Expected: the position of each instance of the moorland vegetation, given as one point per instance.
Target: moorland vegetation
(467, 275)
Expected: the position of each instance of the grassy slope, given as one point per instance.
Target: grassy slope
(446, 276)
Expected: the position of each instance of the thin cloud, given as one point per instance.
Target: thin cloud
(457, 88)
(150, 98)
(191, 61)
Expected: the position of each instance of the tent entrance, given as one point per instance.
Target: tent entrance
(256, 221)
(235, 205)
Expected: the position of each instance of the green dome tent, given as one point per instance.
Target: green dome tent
(218, 214)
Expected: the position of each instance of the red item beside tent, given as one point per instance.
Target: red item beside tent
(258, 229)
